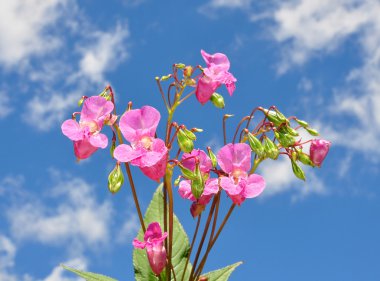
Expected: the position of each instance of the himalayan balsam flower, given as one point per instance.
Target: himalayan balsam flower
(211, 185)
(214, 76)
(318, 151)
(86, 133)
(154, 245)
(235, 160)
(139, 126)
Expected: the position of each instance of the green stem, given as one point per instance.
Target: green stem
(255, 165)
(168, 187)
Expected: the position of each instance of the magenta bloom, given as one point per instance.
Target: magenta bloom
(235, 160)
(86, 134)
(154, 244)
(139, 126)
(211, 185)
(318, 151)
(214, 76)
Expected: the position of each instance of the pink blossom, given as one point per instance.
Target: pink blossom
(214, 76)
(139, 126)
(235, 160)
(211, 185)
(86, 133)
(154, 244)
(318, 151)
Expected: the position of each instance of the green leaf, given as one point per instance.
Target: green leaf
(221, 274)
(89, 276)
(181, 246)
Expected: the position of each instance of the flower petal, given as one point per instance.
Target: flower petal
(95, 108)
(72, 130)
(205, 88)
(255, 186)
(218, 59)
(125, 153)
(83, 149)
(99, 140)
(205, 163)
(235, 156)
(138, 244)
(229, 186)
(184, 190)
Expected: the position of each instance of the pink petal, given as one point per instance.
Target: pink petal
(230, 187)
(137, 123)
(157, 258)
(217, 59)
(99, 140)
(234, 156)
(318, 151)
(83, 149)
(211, 187)
(153, 231)
(72, 130)
(205, 88)
(125, 153)
(237, 199)
(205, 163)
(255, 186)
(95, 107)
(184, 190)
(138, 244)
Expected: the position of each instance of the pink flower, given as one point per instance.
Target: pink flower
(214, 76)
(86, 134)
(154, 244)
(318, 151)
(211, 185)
(139, 126)
(235, 160)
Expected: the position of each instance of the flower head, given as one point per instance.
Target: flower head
(86, 134)
(235, 160)
(318, 151)
(214, 76)
(154, 245)
(139, 126)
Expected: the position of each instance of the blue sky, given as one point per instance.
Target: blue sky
(319, 60)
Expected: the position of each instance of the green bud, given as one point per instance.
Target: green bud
(115, 179)
(180, 65)
(256, 145)
(176, 182)
(285, 140)
(187, 173)
(271, 150)
(217, 100)
(275, 117)
(184, 143)
(198, 130)
(166, 77)
(304, 158)
(302, 123)
(188, 71)
(312, 132)
(212, 156)
(80, 102)
(298, 172)
(198, 184)
(291, 131)
(189, 134)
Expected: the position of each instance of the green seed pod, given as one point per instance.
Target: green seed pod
(189, 134)
(212, 156)
(115, 179)
(312, 132)
(302, 123)
(277, 118)
(271, 150)
(298, 172)
(187, 173)
(304, 158)
(198, 184)
(217, 100)
(180, 65)
(256, 145)
(184, 143)
(292, 131)
(285, 140)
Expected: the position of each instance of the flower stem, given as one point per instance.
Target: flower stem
(168, 188)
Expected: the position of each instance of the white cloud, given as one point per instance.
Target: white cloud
(23, 26)
(210, 8)
(5, 106)
(76, 219)
(7, 256)
(305, 85)
(129, 229)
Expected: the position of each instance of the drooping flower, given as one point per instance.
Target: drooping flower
(211, 185)
(235, 160)
(214, 76)
(139, 126)
(154, 245)
(318, 151)
(86, 134)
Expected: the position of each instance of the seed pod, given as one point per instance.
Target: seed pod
(217, 100)
(198, 184)
(212, 156)
(271, 150)
(115, 179)
(298, 172)
(302, 123)
(184, 143)
(312, 132)
(256, 145)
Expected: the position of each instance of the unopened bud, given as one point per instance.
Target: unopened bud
(212, 156)
(291, 131)
(180, 65)
(189, 134)
(198, 184)
(188, 71)
(275, 117)
(312, 132)
(188, 174)
(302, 123)
(176, 182)
(256, 145)
(298, 172)
(304, 158)
(285, 140)
(190, 82)
(115, 179)
(217, 100)
(318, 151)
(271, 150)
(184, 143)
(165, 77)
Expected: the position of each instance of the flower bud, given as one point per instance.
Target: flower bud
(212, 156)
(271, 150)
(166, 77)
(198, 184)
(304, 158)
(318, 151)
(256, 145)
(180, 65)
(184, 143)
(312, 132)
(285, 140)
(276, 117)
(298, 172)
(189, 134)
(188, 174)
(188, 71)
(217, 100)
(302, 123)
(115, 179)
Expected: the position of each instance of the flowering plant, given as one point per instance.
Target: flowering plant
(162, 248)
